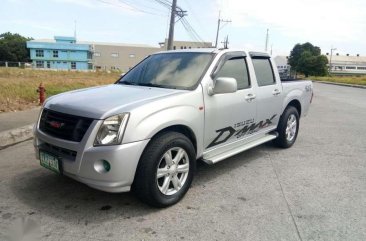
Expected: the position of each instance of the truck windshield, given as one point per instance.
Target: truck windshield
(169, 70)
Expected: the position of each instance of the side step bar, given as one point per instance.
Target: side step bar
(236, 150)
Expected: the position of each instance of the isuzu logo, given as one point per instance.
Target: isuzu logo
(56, 124)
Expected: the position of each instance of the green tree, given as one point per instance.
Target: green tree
(306, 58)
(13, 48)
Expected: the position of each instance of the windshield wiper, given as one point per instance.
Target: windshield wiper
(156, 85)
(127, 83)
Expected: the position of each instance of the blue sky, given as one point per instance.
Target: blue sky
(326, 23)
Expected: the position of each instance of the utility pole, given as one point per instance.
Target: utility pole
(171, 26)
(267, 38)
(330, 59)
(226, 42)
(218, 27)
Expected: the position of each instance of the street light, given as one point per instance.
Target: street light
(330, 60)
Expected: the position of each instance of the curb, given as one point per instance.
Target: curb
(14, 136)
(341, 84)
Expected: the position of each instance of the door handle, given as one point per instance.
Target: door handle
(276, 92)
(250, 97)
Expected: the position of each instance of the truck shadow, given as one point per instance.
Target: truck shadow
(45, 193)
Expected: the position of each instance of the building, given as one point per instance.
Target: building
(66, 53)
(122, 57)
(186, 45)
(283, 66)
(60, 53)
(347, 64)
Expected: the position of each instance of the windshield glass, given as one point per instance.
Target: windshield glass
(169, 70)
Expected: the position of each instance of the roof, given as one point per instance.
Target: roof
(347, 59)
(118, 44)
(96, 43)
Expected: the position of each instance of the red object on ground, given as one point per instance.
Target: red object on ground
(42, 93)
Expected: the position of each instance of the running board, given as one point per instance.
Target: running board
(236, 150)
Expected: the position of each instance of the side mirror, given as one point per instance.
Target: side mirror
(223, 85)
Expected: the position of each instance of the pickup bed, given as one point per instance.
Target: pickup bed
(146, 131)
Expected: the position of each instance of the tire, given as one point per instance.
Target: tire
(289, 119)
(159, 174)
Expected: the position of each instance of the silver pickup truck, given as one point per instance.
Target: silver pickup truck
(145, 132)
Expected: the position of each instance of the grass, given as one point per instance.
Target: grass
(359, 80)
(18, 86)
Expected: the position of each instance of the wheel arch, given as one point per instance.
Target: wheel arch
(183, 129)
(295, 103)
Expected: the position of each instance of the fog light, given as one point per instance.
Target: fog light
(102, 166)
(106, 166)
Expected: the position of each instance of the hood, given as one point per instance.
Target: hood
(104, 101)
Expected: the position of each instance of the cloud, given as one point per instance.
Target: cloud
(326, 20)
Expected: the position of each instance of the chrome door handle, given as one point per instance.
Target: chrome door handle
(250, 97)
(276, 92)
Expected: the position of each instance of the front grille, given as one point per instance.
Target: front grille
(64, 126)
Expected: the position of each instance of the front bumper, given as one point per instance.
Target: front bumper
(80, 160)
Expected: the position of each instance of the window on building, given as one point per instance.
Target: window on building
(132, 55)
(55, 53)
(174, 47)
(361, 67)
(235, 68)
(115, 55)
(96, 54)
(350, 67)
(181, 47)
(263, 71)
(39, 53)
(90, 66)
(48, 64)
(65, 62)
(73, 65)
(39, 64)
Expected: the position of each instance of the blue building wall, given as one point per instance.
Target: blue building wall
(63, 53)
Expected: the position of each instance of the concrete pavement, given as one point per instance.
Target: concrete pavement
(17, 126)
(315, 190)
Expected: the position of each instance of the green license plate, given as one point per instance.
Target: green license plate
(49, 161)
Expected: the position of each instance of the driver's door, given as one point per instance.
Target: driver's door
(227, 114)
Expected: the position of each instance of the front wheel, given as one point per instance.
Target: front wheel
(288, 128)
(166, 169)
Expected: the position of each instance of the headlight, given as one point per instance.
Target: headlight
(111, 131)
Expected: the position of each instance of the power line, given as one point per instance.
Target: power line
(131, 7)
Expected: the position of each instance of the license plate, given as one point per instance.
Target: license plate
(49, 161)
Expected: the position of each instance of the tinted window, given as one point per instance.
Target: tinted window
(235, 68)
(169, 70)
(263, 71)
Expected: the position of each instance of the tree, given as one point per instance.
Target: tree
(13, 48)
(306, 58)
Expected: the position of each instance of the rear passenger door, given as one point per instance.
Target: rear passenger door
(269, 91)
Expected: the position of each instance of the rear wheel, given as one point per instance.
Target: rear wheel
(288, 127)
(166, 169)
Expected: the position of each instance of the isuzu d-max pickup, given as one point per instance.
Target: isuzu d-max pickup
(145, 132)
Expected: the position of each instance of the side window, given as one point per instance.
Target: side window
(263, 71)
(235, 68)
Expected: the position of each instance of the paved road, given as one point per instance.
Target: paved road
(11, 120)
(315, 190)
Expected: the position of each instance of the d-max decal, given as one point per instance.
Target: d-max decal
(248, 128)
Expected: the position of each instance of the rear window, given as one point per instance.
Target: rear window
(263, 71)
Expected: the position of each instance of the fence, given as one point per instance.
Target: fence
(9, 64)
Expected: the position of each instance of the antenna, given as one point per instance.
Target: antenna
(75, 29)
(267, 38)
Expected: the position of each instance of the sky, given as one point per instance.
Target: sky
(339, 24)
